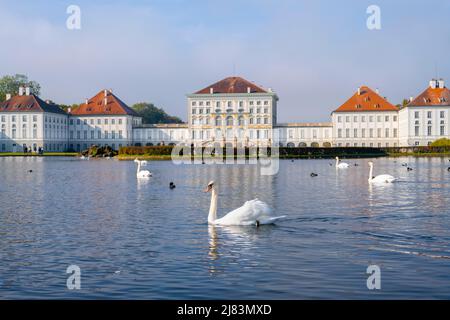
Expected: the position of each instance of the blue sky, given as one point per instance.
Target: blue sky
(314, 54)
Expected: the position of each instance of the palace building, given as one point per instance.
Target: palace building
(230, 112)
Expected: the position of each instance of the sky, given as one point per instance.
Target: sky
(314, 53)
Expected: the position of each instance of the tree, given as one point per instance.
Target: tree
(404, 103)
(152, 114)
(66, 107)
(11, 84)
(443, 142)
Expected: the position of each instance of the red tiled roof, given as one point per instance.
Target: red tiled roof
(96, 106)
(367, 100)
(432, 97)
(29, 103)
(232, 85)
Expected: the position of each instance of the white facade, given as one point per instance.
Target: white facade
(426, 118)
(100, 130)
(305, 134)
(236, 118)
(366, 129)
(242, 117)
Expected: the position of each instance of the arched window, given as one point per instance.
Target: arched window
(241, 121)
(207, 120)
(230, 121)
(290, 145)
(314, 145)
(251, 120)
(327, 144)
(302, 145)
(218, 121)
(258, 120)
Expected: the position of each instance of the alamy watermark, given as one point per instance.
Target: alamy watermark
(374, 280)
(374, 20)
(74, 280)
(73, 22)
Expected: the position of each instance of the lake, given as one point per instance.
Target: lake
(140, 240)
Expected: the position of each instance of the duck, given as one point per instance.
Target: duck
(172, 185)
(409, 169)
(313, 174)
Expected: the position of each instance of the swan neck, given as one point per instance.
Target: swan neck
(213, 207)
(371, 173)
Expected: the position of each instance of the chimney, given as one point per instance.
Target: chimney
(105, 101)
(106, 93)
(211, 90)
(8, 96)
(377, 91)
(270, 90)
(27, 91)
(69, 110)
(359, 91)
(411, 99)
(20, 91)
(86, 101)
(433, 83)
(441, 83)
(249, 90)
(110, 90)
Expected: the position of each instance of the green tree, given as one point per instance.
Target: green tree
(11, 84)
(66, 107)
(152, 114)
(443, 142)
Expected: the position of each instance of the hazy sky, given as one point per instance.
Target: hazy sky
(314, 54)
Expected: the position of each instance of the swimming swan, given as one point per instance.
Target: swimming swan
(382, 178)
(253, 212)
(142, 173)
(341, 165)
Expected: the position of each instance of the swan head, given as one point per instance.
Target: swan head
(136, 160)
(337, 158)
(210, 186)
(370, 164)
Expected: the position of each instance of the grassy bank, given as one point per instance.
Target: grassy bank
(46, 154)
(419, 154)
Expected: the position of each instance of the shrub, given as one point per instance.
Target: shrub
(444, 142)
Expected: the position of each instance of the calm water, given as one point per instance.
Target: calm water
(144, 241)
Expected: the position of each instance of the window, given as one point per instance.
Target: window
(347, 133)
(14, 131)
(266, 120)
(395, 133)
(194, 103)
(78, 121)
(3, 119)
(34, 131)
(258, 120)
(92, 134)
(355, 133)
(416, 115)
(442, 132)
(13, 119)
(24, 131)
(85, 134)
(251, 110)
(106, 134)
(347, 119)
(113, 134)
(363, 118)
(339, 119)
(99, 134)
(394, 118)
(355, 119)
(194, 111)
(34, 118)
(24, 118)
(442, 114)
(363, 133)
(386, 133)
(429, 129)
(339, 133)
(370, 118)
(113, 121)
(379, 132)
(429, 114)
(251, 120)
(120, 134)
(120, 121)
(200, 103)
(99, 121)
(241, 121)
(218, 121)
(106, 121)
(386, 118)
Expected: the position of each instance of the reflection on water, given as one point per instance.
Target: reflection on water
(139, 239)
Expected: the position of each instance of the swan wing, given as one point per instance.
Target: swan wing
(248, 214)
(384, 178)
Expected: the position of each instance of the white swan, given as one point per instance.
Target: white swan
(341, 165)
(382, 178)
(142, 173)
(253, 212)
